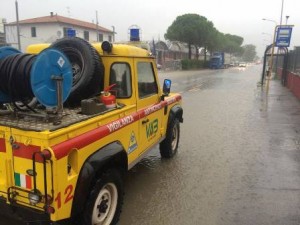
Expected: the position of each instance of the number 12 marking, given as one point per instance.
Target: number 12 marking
(68, 196)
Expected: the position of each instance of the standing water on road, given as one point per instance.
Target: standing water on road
(238, 161)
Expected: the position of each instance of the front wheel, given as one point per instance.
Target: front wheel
(105, 201)
(169, 146)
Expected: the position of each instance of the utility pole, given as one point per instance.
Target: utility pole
(282, 3)
(97, 23)
(18, 25)
(113, 27)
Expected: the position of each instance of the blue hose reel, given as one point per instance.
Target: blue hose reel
(48, 65)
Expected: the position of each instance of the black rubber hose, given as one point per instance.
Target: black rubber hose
(15, 78)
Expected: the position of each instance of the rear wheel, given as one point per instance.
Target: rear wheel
(105, 201)
(169, 146)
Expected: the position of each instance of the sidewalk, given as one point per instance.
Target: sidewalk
(278, 181)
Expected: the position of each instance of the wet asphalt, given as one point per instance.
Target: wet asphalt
(238, 161)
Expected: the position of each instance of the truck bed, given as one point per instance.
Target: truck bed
(39, 122)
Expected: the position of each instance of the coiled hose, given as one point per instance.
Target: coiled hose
(15, 78)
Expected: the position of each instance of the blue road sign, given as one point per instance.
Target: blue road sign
(283, 38)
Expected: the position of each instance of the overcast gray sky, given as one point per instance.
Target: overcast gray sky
(238, 17)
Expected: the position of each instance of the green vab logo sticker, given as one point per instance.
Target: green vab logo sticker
(132, 143)
(152, 128)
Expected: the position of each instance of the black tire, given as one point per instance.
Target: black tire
(87, 67)
(168, 147)
(105, 201)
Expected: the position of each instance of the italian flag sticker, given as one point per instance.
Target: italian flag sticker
(23, 181)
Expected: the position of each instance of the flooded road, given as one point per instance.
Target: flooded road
(238, 161)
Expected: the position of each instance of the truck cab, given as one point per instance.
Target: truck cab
(217, 60)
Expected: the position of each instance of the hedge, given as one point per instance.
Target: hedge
(190, 64)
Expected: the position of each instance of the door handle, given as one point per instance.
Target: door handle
(145, 121)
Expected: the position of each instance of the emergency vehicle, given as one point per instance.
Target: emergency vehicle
(74, 117)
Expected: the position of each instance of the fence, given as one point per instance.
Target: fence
(290, 76)
(294, 61)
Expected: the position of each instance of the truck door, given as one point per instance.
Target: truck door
(148, 104)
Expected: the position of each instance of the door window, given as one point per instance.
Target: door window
(146, 80)
(120, 76)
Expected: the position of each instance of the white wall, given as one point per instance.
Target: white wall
(1, 25)
(45, 33)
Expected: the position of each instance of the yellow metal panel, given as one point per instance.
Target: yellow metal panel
(123, 50)
(36, 48)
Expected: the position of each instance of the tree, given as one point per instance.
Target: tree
(196, 30)
(192, 29)
(233, 44)
(249, 53)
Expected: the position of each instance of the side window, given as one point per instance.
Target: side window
(33, 31)
(65, 31)
(121, 76)
(86, 35)
(146, 80)
(100, 37)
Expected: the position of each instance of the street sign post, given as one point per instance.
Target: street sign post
(283, 38)
(283, 34)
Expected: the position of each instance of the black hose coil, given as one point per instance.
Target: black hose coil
(15, 76)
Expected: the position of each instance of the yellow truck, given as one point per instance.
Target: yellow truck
(74, 117)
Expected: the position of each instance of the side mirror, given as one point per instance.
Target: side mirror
(166, 88)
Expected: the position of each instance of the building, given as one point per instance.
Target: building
(2, 35)
(48, 29)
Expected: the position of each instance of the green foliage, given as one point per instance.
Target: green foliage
(190, 64)
(184, 29)
(249, 53)
(192, 29)
(196, 30)
(233, 44)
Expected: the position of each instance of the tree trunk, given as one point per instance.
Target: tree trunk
(204, 54)
(190, 50)
(197, 52)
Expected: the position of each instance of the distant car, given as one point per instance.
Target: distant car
(158, 66)
(242, 64)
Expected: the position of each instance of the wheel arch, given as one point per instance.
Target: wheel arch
(111, 155)
(176, 112)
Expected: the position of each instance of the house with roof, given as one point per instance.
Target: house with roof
(2, 36)
(48, 29)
